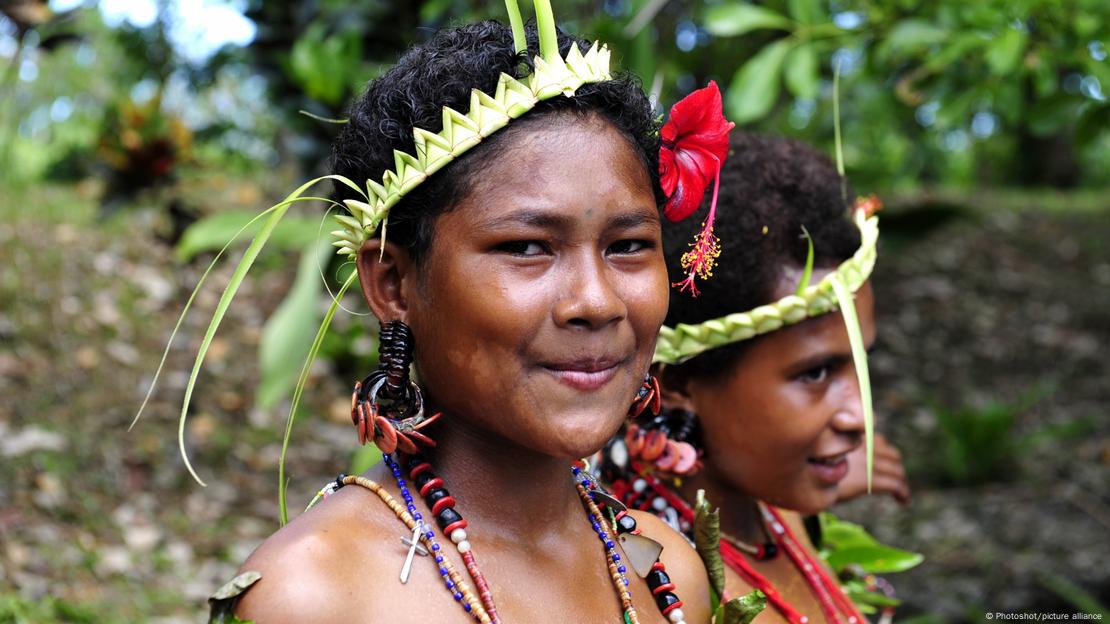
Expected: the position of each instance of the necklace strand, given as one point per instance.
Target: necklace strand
(830, 596)
(453, 525)
(452, 579)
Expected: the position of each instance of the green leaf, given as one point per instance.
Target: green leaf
(299, 389)
(837, 534)
(755, 87)
(806, 12)
(801, 71)
(270, 218)
(859, 359)
(546, 31)
(743, 610)
(911, 36)
(222, 603)
(730, 20)
(212, 232)
(1087, 24)
(322, 62)
(858, 592)
(874, 559)
(520, 41)
(1004, 53)
(330, 120)
(284, 341)
(707, 541)
(807, 272)
(956, 51)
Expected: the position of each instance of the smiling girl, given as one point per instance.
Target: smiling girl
(766, 411)
(501, 195)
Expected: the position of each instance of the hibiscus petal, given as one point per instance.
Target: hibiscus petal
(695, 143)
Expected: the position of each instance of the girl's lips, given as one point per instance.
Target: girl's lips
(585, 379)
(832, 471)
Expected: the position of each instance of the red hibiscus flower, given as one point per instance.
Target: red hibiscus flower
(694, 146)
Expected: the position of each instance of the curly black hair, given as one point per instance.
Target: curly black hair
(770, 188)
(441, 73)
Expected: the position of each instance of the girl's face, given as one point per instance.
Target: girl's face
(780, 426)
(535, 311)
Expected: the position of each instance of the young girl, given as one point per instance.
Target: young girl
(759, 375)
(513, 255)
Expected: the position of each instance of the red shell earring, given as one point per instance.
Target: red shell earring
(387, 407)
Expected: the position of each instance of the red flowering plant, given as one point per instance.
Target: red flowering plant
(695, 144)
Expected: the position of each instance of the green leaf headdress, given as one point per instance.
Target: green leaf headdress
(552, 75)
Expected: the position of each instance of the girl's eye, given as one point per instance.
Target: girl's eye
(522, 248)
(629, 246)
(814, 375)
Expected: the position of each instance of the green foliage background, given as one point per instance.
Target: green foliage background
(947, 92)
(950, 108)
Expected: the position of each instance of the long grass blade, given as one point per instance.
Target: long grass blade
(323, 119)
(836, 133)
(185, 310)
(320, 333)
(273, 217)
(548, 35)
(196, 289)
(807, 273)
(520, 41)
(859, 358)
(320, 264)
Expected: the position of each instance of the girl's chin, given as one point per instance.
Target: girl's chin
(576, 440)
(810, 503)
(803, 500)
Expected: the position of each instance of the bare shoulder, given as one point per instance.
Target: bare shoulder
(684, 566)
(317, 567)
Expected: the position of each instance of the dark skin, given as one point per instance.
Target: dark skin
(790, 404)
(534, 316)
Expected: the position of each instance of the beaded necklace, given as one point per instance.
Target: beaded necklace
(453, 525)
(835, 604)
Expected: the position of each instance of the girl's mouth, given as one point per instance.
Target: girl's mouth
(830, 469)
(585, 375)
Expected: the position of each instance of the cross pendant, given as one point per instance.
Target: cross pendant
(414, 548)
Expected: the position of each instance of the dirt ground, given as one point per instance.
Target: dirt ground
(999, 310)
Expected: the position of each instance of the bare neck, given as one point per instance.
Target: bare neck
(502, 487)
(740, 516)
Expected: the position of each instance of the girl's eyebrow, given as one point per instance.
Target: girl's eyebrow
(821, 359)
(536, 218)
(548, 219)
(634, 219)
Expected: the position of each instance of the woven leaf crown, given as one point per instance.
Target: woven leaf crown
(684, 341)
(488, 114)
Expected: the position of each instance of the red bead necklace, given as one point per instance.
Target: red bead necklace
(835, 604)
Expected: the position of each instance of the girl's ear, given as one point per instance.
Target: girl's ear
(673, 388)
(382, 273)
